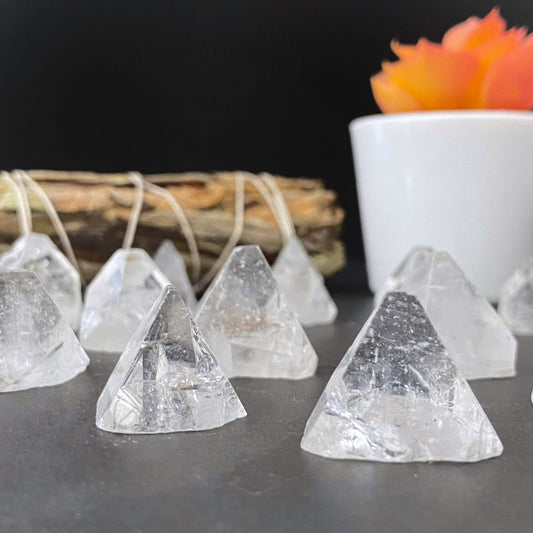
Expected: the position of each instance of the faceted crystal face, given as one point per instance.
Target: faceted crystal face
(303, 286)
(516, 300)
(36, 252)
(479, 341)
(118, 299)
(167, 378)
(248, 324)
(37, 346)
(169, 260)
(397, 396)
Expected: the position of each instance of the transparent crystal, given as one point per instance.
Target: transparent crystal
(169, 260)
(37, 252)
(397, 396)
(516, 300)
(167, 378)
(477, 338)
(37, 346)
(303, 285)
(118, 299)
(248, 324)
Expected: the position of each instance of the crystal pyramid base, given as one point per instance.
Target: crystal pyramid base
(303, 286)
(248, 324)
(118, 299)
(477, 338)
(167, 378)
(397, 396)
(37, 346)
(37, 253)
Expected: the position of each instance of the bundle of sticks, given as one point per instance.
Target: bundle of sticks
(95, 209)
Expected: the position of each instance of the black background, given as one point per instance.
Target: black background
(182, 85)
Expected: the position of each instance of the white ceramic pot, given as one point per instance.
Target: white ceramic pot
(460, 181)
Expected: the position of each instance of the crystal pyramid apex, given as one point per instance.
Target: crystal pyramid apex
(515, 305)
(303, 285)
(397, 396)
(38, 253)
(170, 262)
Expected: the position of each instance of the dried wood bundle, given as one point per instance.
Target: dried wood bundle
(95, 209)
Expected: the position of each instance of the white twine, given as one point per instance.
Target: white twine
(183, 222)
(278, 213)
(23, 207)
(234, 237)
(136, 209)
(52, 215)
(281, 203)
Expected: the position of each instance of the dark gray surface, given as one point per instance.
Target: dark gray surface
(59, 473)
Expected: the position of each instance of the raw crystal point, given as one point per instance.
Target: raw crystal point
(36, 252)
(167, 378)
(413, 266)
(118, 299)
(37, 346)
(397, 396)
(248, 324)
(303, 285)
(477, 338)
(169, 260)
(516, 300)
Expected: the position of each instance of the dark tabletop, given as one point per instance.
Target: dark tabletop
(58, 473)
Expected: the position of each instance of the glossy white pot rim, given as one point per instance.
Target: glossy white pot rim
(494, 115)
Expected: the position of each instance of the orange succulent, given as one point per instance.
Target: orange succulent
(479, 65)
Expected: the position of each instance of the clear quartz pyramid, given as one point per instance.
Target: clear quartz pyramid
(169, 260)
(248, 324)
(37, 252)
(516, 300)
(397, 396)
(118, 299)
(37, 346)
(477, 338)
(167, 378)
(303, 285)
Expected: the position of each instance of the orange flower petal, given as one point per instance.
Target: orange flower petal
(474, 31)
(435, 77)
(509, 82)
(402, 51)
(493, 49)
(390, 98)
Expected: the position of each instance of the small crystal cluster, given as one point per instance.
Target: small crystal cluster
(477, 338)
(37, 346)
(397, 396)
(303, 286)
(118, 299)
(516, 300)
(169, 260)
(37, 253)
(248, 324)
(167, 378)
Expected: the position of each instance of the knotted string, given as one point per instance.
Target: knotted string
(234, 237)
(59, 228)
(281, 204)
(272, 204)
(23, 207)
(183, 222)
(136, 209)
